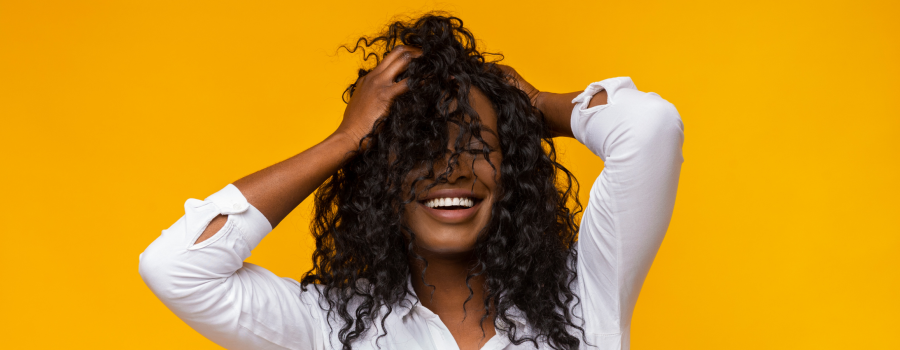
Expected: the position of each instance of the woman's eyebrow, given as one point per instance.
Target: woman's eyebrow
(484, 129)
(494, 140)
(490, 131)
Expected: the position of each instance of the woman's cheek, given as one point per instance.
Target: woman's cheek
(490, 171)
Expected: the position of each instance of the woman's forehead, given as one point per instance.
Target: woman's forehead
(483, 106)
(486, 113)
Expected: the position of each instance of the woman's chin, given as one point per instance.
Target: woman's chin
(429, 246)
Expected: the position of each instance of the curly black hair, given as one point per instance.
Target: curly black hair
(526, 252)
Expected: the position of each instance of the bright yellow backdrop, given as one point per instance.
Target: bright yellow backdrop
(786, 228)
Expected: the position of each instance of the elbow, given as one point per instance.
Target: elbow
(153, 271)
(660, 121)
(663, 115)
(158, 270)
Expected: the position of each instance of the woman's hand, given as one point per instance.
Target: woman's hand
(375, 92)
(276, 190)
(520, 83)
(556, 108)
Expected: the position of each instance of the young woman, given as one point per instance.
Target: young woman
(442, 216)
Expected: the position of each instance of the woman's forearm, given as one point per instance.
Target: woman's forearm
(276, 190)
(557, 109)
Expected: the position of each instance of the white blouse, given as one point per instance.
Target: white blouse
(240, 305)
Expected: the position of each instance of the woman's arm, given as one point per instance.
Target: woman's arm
(196, 267)
(639, 137)
(275, 191)
(556, 107)
(280, 188)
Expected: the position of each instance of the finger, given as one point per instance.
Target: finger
(391, 57)
(400, 62)
(399, 87)
(508, 72)
(506, 69)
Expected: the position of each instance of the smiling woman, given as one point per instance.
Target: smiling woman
(442, 217)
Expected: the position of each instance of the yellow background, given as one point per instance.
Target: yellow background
(787, 223)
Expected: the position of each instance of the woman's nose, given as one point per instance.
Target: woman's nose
(462, 167)
(460, 164)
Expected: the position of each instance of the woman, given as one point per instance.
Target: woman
(442, 217)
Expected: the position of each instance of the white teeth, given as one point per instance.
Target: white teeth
(450, 202)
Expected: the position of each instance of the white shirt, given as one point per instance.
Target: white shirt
(240, 305)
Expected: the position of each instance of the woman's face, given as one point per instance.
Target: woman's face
(448, 217)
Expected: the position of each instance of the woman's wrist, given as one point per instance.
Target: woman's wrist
(344, 141)
(538, 100)
(557, 110)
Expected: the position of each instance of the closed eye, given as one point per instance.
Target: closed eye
(479, 150)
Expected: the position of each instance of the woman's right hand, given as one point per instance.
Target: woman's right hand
(375, 92)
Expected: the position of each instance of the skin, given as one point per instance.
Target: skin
(278, 189)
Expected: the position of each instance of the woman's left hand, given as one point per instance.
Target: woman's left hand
(521, 83)
(555, 108)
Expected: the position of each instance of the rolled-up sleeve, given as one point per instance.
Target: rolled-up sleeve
(639, 137)
(209, 286)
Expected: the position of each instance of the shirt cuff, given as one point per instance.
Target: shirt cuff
(581, 112)
(253, 224)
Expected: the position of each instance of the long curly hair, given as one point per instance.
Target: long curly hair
(526, 252)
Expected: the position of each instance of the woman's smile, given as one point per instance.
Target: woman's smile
(451, 206)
